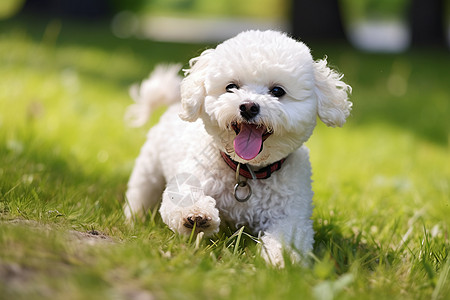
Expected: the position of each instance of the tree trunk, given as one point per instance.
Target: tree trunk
(427, 22)
(317, 19)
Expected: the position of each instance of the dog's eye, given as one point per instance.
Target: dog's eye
(231, 87)
(277, 91)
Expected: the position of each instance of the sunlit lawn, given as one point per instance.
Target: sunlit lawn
(381, 183)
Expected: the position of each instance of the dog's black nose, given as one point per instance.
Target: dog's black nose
(249, 110)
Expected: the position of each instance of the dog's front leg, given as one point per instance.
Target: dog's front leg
(189, 209)
(291, 236)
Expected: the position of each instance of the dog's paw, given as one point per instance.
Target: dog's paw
(201, 220)
(275, 253)
(203, 216)
(272, 251)
(198, 221)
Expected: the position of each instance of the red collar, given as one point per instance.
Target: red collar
(263, 173)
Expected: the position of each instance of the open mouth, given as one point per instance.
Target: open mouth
(249, 139)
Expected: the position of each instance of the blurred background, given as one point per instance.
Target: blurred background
(372, 25)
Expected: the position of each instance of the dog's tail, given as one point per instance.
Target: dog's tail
(162, 87)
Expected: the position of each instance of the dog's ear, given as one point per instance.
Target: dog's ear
(193, 87)
(332, 95)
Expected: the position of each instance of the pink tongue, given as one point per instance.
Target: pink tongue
(247, 143)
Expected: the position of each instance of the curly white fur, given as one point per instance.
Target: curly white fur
(149, 95)
(186, 155)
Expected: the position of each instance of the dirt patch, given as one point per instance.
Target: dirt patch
(26, 279)
(91, 237)
(14, 274)
(15, 278)
(22, 222)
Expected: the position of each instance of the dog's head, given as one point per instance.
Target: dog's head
(259, 93)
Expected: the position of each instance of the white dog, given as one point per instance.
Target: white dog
(236, 155)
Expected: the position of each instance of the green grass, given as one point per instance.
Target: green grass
(381, 183)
